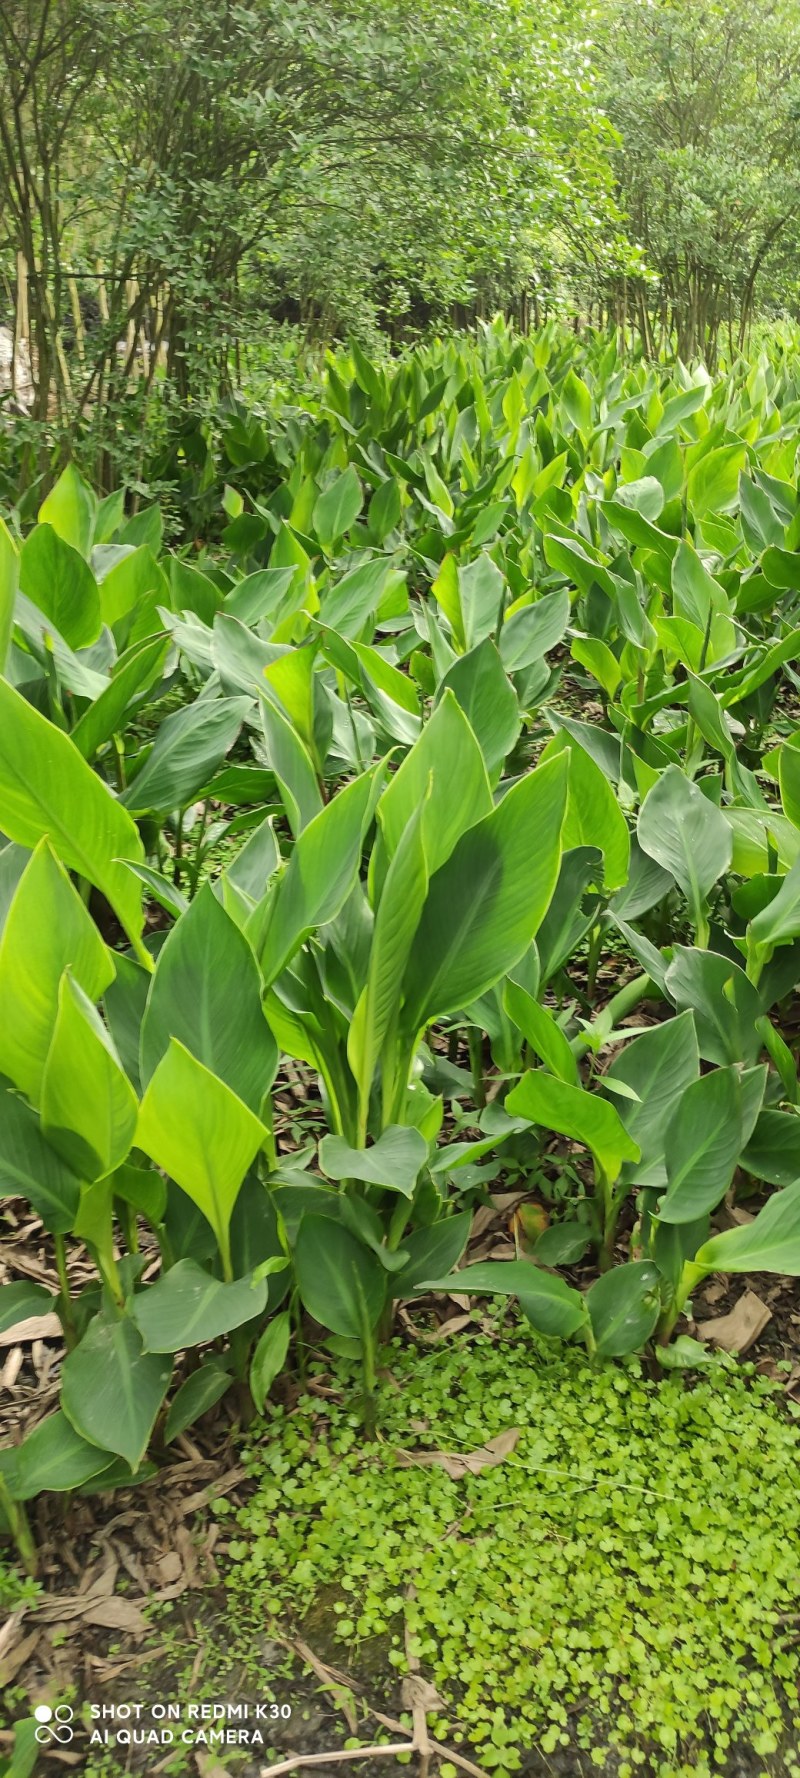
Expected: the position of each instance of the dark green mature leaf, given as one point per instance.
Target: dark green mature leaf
(30, 1167)
(199, 1392)
(393, 1161)
(549, 1304)
(206, 991)
(320, 875)
(188, 1307)
(725, 1004)
(481, 686)
(486, 902)
(436, 1249)
(53, 1458)
(340, 1282)
(89, 1108)
(659, 1066)
(111, 1389)
(702, 1144)
(269, 1358)
(624, 1306)
(773, 1151)
(186, 752)
(18, 1302)
(338, 507)
(687, 836)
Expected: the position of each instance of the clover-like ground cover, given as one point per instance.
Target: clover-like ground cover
(625, 1584)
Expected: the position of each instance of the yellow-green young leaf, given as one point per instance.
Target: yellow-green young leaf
(577, 402)
(89, 1107)
(594, 817)
(202, 1135)
(292, 677)
(338, 507)
(269, 1358)
(577, 1114)
(396, 921)
(446, 593)
(540, 1030)
(62, 586)
(47, 931)
(9, 582)
(47, 788)
(789, 778)
(597, 658)
(71, 508)
(486, 902)
(447, 763)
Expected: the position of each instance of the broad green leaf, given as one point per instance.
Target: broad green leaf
(383, 513)
(54, 1459)
(773, 1151)
(188, 1307)
(9, 582)
(340, 1282)
(349, 605)
(725, 1004)
(185, 755)
(446, 753)
(702, 1143)
(89, 1108)
(436, 1249)
(575, 1113)
(47, 931)
(338, 507)
(46, 788)
(779, 921)
(206, 991)
(485, 903)
(31, 1168)
(133, 584)
(713, 483)
(482, 688)
(529, 633)
(293, 767)
(594, 817)
(687, 836)
(789, 778)
(624, 1306)
(20, 1302)
(396, 920)
(659, 1066)
(577, 403)
(132, 675)
(550, 1304)
(481, 589)
(541, 1032)
(199, 1392)
(201, 1134)
(71, 509)
(269, 1358)
(393, 1161)
(111, 1389)
(319, 877)
(771, 1243)
(61, 584)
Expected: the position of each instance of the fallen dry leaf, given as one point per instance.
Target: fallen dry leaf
(457, 1463)
(736, 1331)
(37, 1327)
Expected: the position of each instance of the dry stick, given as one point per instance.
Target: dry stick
(334, 1676)
(297, 1761)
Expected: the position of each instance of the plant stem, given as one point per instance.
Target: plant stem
(67, 1318)
(19, 1527)
(475, 1042)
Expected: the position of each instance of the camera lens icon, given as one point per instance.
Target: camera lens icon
(53, 1725)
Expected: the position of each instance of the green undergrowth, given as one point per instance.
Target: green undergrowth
(625, 1583)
